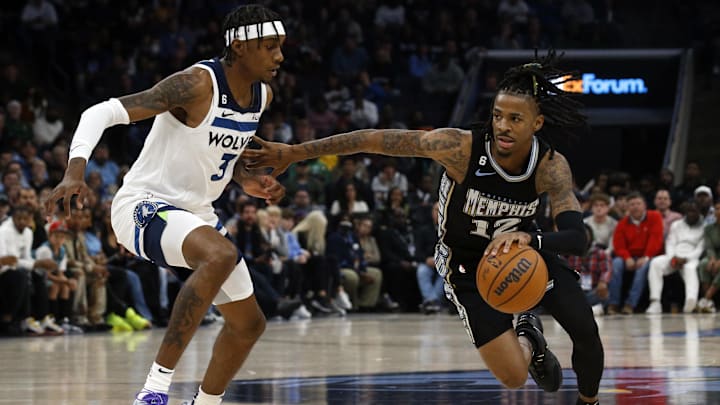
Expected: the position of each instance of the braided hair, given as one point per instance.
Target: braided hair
(244, 16)
(541, 80)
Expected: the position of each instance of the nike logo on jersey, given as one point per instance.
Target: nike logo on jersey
(227, 114)
(479, 173)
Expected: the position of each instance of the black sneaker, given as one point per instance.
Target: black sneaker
(286, 307)
(544, 366)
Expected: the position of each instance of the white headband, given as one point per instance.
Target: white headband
(268, 28)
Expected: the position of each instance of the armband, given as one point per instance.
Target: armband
(93, 122)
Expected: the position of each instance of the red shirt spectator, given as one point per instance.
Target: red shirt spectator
(639, 238)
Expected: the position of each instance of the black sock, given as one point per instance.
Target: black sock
(581, 402)
(53, 308)
(65, 310)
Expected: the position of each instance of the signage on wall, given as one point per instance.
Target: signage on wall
(589, 83)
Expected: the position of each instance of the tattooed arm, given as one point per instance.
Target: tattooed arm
(555, 178)
(185, 94)
(450, 147)
(181, 93)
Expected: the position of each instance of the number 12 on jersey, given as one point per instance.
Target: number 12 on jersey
(503, 225)
(226, 159)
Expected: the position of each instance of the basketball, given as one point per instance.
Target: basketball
(512, 282)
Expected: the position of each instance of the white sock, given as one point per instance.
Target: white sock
(159, 378)
(203, 398)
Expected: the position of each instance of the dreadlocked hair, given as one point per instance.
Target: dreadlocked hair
(541, 80)
(244, 16)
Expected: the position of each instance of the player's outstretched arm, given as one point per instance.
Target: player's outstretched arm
(450, 147)
(182, 90)
(555, 178)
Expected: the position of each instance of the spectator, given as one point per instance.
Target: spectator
(16, 130)
(431, 284)
(388, 178)
(444, 77)
(90, 301)
(363, 112)
(683, 248)
(349, 173)
(704, 198)
(513, 10)
(48, 126)
(663, 202)
(349, 59)
(299, 178)
(349, 203)
(321, 118)
(692, 179)
(62, 285)
(602, 224)
(336, 94)
(297, 259)
(390, 13)
(16, 241)
(325, 272)
(103, 164)
(709, 267)
(595, 269)
(4, 207)
(579, 11)
(397, 247)
(362, 283)
(637, 239)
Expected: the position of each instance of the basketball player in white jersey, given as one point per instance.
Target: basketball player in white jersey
(205, 116)
(488, 198)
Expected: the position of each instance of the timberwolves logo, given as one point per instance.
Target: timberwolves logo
(144, 212)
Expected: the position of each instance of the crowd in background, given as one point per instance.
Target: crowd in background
(355, 233)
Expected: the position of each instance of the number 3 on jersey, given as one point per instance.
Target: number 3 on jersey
(504, 225)
(226, 159)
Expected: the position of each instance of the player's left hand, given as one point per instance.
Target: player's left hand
(271, 154)
(505, 240)
(266, 187)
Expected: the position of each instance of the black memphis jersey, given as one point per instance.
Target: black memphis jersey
(487, 203)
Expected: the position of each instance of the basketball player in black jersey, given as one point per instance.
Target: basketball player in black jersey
(488, 199)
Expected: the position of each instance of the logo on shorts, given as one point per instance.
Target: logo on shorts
(144, 212)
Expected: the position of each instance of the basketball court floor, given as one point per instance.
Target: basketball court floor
(370, 359)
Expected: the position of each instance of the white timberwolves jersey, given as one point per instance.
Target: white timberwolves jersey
(190, 167)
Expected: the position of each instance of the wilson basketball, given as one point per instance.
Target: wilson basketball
(512, 282)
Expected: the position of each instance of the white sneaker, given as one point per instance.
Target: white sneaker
(71, 329)
(33, 326)
(598, 310)
(706, 306)
(343, 300)
(301, 313)
(689, 305)
(48, 323)
(654, 308)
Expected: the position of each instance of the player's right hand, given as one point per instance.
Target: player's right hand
(72, 184)
(271, 154)
(65, 191)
